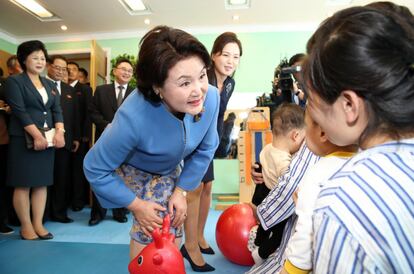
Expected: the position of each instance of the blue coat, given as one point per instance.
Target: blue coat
(150, 138)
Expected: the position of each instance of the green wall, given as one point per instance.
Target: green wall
(226, 173)
(7, 46)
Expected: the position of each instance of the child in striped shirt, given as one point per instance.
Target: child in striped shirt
(299, 248)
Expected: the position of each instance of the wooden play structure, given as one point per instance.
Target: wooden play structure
(255, 134)
(252, 139)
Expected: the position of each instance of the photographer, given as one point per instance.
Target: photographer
(285, 84)
(295, 63)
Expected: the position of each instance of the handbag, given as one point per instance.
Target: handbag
(48, 133)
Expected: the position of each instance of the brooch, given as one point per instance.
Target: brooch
(197, 117)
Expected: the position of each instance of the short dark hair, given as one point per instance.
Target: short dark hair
(161, 49)
(296, 58)
(84, 71)
(286, 117)
(52, 58)
(11, 61)
(28, 47)
(122, 60)
(369, 50)
(73, 63)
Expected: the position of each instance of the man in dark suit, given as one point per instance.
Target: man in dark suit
(80, 190)
(6, 193)
(59, 198)
(105, 102)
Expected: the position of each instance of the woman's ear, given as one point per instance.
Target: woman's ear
(352, 106)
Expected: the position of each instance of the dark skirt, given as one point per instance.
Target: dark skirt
(209, 176)
(27, 167)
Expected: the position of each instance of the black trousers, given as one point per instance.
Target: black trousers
(59, 191)
(98, 212)
(6, 192)
(80, 186)
(267, 240)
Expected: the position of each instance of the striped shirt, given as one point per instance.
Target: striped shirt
(279, 205)
(364, 215)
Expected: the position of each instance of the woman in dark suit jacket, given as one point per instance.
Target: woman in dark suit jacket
(34, 102)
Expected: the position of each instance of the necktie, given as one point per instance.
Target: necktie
(119, 98)
(57, 86)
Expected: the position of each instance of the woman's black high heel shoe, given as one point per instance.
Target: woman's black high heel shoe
(197, 268)
(207, 250)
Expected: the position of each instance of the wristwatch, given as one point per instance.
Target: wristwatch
(182, 191)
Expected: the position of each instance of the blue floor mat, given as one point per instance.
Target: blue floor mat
(42, 257)
(81, 249)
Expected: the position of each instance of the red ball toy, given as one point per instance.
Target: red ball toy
(232, 233)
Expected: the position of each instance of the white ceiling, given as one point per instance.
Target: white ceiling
(100, 19)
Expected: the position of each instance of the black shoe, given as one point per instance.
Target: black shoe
(94, 221)
(64, 220)
(77, 208)
(48, 236)
(207, 250)
(197, 268)
(27, 239)
(120, 219)
(4, 229)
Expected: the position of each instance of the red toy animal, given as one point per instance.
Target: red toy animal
(161, 256)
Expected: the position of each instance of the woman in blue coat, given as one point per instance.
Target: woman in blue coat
(162, 138)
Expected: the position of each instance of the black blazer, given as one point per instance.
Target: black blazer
(70, 109)
(27, 105)
(103, 106)
(84, 94)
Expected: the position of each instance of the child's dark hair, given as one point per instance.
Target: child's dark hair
(286, 117)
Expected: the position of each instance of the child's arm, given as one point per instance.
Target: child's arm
(299, 248)
(278, 205)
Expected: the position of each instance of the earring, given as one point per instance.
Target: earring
(157, 92)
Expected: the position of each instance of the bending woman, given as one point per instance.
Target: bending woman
(162, 137)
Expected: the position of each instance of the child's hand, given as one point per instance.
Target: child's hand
(256, 176)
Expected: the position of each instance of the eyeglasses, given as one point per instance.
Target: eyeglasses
(130, 71)
(58, 68)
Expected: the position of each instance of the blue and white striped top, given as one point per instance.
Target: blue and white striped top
(279, 205)
(364, 216)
